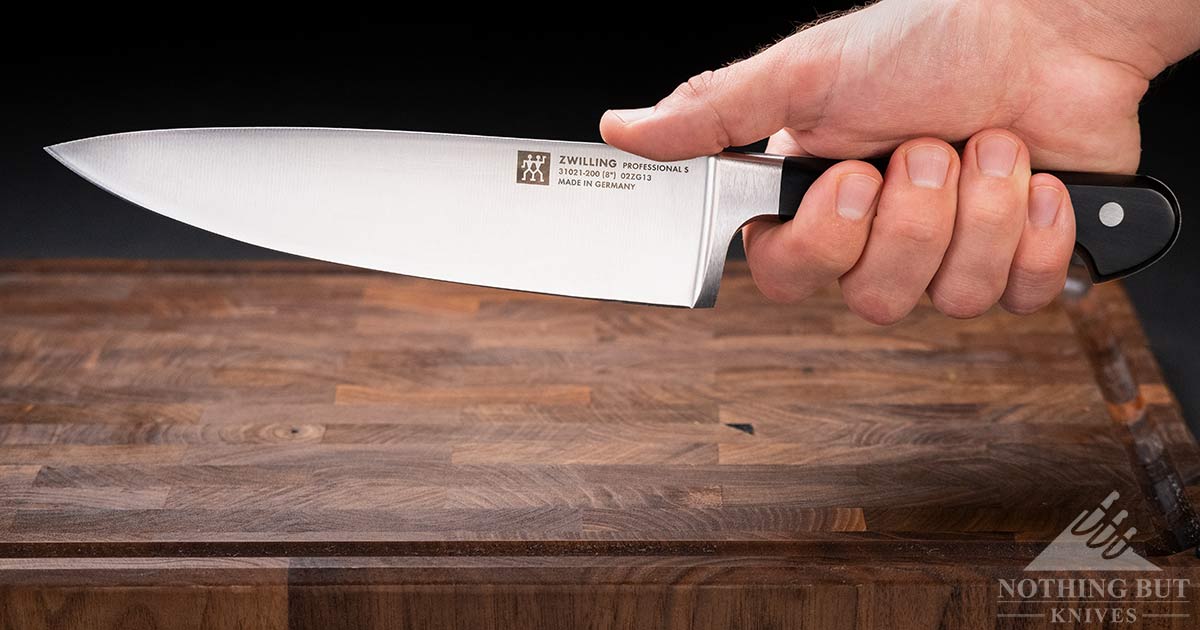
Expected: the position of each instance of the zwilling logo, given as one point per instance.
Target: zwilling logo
(533, 168)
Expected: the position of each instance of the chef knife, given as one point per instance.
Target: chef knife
(566, 218)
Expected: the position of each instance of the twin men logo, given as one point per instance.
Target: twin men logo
(533, 168)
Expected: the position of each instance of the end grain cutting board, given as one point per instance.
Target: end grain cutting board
(270, 444)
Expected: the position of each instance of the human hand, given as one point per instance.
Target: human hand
(1055, 85)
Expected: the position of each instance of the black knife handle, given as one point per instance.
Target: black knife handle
(1123, 223)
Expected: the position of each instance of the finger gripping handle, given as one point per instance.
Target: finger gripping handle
(1123, 223)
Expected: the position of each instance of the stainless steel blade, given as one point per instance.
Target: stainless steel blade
(567, 218)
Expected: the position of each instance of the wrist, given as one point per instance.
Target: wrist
(1148, 35)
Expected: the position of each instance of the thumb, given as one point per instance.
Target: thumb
(782, 86)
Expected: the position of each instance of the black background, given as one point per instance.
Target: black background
(83, 75)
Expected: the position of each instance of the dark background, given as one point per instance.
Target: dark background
(84, 75)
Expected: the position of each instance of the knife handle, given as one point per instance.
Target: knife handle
(1123, 223)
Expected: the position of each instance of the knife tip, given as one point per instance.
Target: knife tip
(63, 154)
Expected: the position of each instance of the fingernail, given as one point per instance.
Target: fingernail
(632, 115)
(855, 195)
(1043, 205)
(997, 155)
(927, 165)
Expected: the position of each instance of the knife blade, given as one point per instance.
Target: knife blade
(566, 218)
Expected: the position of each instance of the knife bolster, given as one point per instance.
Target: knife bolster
(741, 187)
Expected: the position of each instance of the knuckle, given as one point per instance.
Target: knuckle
(704, 87)
(700, 85)
(992, 217)
(1023, 301)
(777, 280)
(779, 292)
(828, 256)
(917, 230)
(1038, 272)
(962, 300)
(701, 90)
(1033, 284)
(1023, 306)
(876, 308)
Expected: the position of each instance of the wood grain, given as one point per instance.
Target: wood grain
(291, 444)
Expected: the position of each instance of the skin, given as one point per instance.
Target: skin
(1046, 84)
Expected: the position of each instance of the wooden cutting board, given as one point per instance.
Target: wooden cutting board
(293, 444)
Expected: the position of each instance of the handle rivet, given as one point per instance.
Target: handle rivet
(1111, 214)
